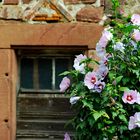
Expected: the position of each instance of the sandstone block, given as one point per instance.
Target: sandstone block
(79, 1)
(90, 14)
(11, 2)
(26, 1)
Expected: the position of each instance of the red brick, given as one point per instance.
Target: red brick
(79, 1)
(11, 1)
(26, 1)
(90, 14)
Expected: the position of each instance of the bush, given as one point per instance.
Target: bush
(107, 98)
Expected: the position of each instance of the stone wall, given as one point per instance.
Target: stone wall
(53, 11)
(44, 11)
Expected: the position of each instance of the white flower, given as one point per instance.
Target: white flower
(80, 67)
(74, 99)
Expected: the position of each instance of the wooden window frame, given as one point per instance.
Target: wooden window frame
(31, 54)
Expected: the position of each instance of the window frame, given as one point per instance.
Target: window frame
(54, 55)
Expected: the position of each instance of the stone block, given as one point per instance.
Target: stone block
(68, 34)
(26, 1)
(90, 14)
(79, 1)
(11, 12)
(11, 2)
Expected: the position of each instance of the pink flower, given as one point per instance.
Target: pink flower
(99, 86)
(100, 51)
(100, 47)
(136, 35)
(134, 121)
(102, 71)
(135, 19)
(90, 80)
(137, 118)
(66, 136)
(130, 96)
(65, 83)
(106, 36)
(131, 124)
(104, 61)
(138, 98)
(80, 67)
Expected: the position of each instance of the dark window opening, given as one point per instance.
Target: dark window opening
(43, 73)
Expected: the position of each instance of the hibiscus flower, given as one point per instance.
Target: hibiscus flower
(130, 96)
(66, 136)
(65, 83)
(136, 35)
(77, 63)
(135, 19)
(90, 80)
(74, 99)
(134, 121)
(99, 86)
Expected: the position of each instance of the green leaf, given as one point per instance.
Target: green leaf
(99, 114)
(114, 114)
(87, 103)
(118, 79)
(64, 73)
(123, 89)
(123, 118)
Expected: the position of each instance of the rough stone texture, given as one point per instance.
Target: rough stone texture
(61, 7)
(79, 1)
(11, 12)
(90, 14)
(127, 7)
(102, 2)
(10, 1)
(52, 34)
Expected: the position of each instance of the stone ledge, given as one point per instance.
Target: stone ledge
(67, 34)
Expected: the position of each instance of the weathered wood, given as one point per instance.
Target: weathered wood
(43, 116)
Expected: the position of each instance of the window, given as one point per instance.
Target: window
(40, 73)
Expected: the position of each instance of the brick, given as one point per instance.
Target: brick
(90, 14)
(79, 1)
(11, 2)
(26, 1)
